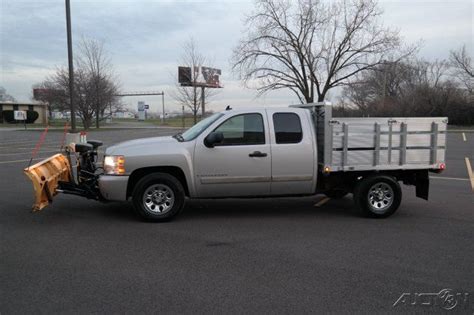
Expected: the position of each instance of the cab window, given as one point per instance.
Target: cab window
(245, 129)
(287, 128)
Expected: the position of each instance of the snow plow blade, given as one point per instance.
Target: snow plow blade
(45, 176)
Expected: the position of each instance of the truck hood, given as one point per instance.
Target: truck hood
(141, 145)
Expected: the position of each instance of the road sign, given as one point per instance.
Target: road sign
(19, 114)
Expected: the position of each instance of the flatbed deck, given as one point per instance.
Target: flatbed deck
(379, 143)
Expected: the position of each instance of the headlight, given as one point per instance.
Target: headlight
(114, 165)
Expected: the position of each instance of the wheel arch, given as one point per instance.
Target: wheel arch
(386, 207)
(174, 171)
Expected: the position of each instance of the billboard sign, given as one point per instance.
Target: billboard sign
(203, 76)
(42, 94)
(184, 75)
(211, 75)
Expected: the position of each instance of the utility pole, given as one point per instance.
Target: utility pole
(384, 91)
(384, 87)
(195, 105)
(182, 117)
(97, 107)
(203, 100)
(163, 106)
(71, 66)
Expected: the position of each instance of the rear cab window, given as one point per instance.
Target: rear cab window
(287, 128)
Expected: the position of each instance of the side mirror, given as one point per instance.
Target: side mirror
(213, 138)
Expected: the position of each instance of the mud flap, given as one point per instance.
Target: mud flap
(422, 183)
(45, 176)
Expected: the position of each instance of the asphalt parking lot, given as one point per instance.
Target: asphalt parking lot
(231, 256)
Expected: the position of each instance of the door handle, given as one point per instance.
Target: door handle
(257, 154)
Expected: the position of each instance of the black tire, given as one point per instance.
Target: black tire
(336, 193)
(377, 196)
(164, 185)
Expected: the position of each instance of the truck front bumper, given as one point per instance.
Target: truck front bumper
(113, 188)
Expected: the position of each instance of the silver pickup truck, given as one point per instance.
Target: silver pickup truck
(269, 152)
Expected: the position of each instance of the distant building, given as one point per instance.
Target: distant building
(40, 108)
(123, 114)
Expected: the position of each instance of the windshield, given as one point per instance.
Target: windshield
(198, 128)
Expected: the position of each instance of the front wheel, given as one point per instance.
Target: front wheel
(158, 197)
(378, 196)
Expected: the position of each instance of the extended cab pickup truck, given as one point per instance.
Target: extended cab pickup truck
(295, 151)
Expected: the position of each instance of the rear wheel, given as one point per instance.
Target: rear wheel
(158, 197)
(378, 196)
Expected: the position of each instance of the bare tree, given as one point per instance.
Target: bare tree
(462, 66)
(4, 96)
(95, 85)
(311, 46)
(410, 88)
(93, 60)
(191, 96)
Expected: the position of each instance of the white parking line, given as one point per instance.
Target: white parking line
(322, 201)
(13, 142)
(23, 153)
(450, 178)
(45, 157)
(18, 161)
(32, 147)
(464, 137)
(469, 171)
(32, 144)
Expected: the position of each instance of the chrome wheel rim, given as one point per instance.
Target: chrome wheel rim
(380, 197)
(158, 198)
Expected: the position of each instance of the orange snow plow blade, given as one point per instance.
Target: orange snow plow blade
(45, 176)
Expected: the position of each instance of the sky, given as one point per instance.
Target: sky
(144, 39)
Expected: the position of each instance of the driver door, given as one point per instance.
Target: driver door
(240, 165)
